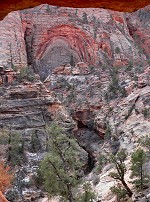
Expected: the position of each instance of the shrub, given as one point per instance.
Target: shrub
(102, 160)
(107, 135)
(12, 195)
(138, 160)
(6, 177)
(15, 154)
(26, 74)
(146, 112)
(60, 167)
(119, 192)
(84, 18)
(4, 136)
(129, 66)
(35, 142)
(72, 62)
(87, 196)
(121, 169)
(114, 87)
(145, 141)
(2, 91)
(117, 50)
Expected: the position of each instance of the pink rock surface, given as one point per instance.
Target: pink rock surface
(48, 36)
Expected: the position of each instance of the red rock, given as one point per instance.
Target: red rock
(81, 68)
(130, 87)
(58, 70)
(106, 48)
(118, 18)
(67, 69)
(118, 63)
(52, 37)
(105, 35)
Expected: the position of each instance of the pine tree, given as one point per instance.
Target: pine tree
(61, 165)
(138, 160)
(72, 62)
(119, 191)
(15, 153)
(118, 161)
(84, 18)
(87, 196)
(145, 142)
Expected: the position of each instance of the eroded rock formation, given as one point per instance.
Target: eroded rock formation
(47, 36)
(94, 74)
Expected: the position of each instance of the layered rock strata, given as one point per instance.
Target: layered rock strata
(48, 36)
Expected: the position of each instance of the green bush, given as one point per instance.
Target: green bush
(12, 195)
(4, 136)
(107, 135)
(87, 196)
(129, 66)
(102, 161)
(119, 191)
(141, 178)
(84, 18)
(35, 142)
(117, 50)
(15, 153)
(146, 112)
(26, 74)
(60, 167)
(2, 91)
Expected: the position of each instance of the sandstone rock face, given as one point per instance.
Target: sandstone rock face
(30, 107)
(12, 43)
(52, 36)
(95, 79)
(26, 109)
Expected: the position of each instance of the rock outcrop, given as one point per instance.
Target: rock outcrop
(94, 80)
(51, 36)
(27, 109)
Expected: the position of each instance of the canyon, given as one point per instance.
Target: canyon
(91, 70)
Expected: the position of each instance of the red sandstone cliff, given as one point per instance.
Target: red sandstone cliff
(47, 36)
(95, 68)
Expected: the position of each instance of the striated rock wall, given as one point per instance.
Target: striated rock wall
(12, 44)
(31, 106)
(27, 109)
(97, 78)
(51, 36)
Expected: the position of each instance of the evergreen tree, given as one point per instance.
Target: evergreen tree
(60, 167)
(87, 195)
(119, 191)
(118, 161)
(15, 153)
(84, 18)
(72, 62)
(138, 159)
(145, 142)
